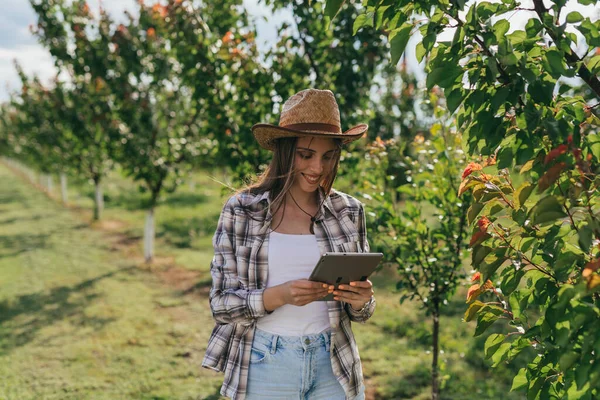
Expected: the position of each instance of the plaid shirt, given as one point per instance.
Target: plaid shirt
(239, 273)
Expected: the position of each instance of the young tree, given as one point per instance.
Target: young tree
(540, 237)
(426, 235)
(79, 44)
(34, 131)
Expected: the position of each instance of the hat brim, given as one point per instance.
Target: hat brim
(266, 134)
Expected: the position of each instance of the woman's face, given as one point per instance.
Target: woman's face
(313, 161)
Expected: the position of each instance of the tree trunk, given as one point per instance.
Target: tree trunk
(435, 388)
(63, 188)
(149, 236)
(98, 200)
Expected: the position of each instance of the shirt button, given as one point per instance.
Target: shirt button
(334, 326)
(307, 341)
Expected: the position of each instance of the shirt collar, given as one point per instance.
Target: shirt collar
(326, 204)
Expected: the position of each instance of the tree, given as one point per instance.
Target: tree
(540, 238)
(425, 236)
(34, 131)
(85, 104)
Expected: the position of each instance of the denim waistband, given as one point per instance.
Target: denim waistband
(304, 342)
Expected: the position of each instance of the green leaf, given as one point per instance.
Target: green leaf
(471, 312)
(522, 193)
(586, 235)
(380, 15)
(594, 65)
(473, 212)
(478, 254)
(574, 17)
(492, 343)
(516, 38)
(510, 279)
(520, 380)
(454, 99)
(541, 91)
(360, 21)
(527, 166)
(533, 27)
(547, 209)
(444, 76)
(500, 354)
(420, 51)
(488, 268)
(553, 61)
(593, 144)
(505, 157)
(486, 317)
(332, 7)
(500, 28)
(499, 98)
(398, 40)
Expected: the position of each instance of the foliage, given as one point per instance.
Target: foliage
(425, 235)
(311, 55)
(512, 105)
(31, 129)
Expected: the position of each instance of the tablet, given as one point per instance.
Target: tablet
(343, 268)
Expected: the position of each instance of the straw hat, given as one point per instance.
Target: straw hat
(310, 112)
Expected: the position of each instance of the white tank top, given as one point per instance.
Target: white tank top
(293, 257)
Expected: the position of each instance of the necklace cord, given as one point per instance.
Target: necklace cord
(312, 217)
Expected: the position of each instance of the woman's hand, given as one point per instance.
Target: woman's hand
(302, 291)
(357, 294)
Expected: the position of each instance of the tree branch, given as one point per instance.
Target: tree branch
(571, 57)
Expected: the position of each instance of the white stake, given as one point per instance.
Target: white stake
(149, 236)
(63, 188)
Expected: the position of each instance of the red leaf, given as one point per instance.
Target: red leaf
(227, 38)
(561, 149)
(470, 168)
(551, 176)
(478, 237)
(483, 223)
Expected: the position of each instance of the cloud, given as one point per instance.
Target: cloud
(14, 23)
(34, 60)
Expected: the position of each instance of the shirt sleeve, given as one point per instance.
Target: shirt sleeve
(228, 302)
(367, 311)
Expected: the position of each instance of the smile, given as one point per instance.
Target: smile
(313, 180)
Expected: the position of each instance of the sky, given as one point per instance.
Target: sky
(16, 42)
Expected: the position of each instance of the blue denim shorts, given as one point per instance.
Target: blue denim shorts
(293, 367)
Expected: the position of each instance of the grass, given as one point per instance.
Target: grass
(82, 317)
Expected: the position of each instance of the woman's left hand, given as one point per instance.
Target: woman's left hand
(357, 294)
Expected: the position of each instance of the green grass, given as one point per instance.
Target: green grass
(82, 317)
(79, 321)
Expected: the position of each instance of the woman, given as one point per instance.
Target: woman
(273, 338)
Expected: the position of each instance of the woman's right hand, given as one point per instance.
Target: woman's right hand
(302, 291)
(298, 293)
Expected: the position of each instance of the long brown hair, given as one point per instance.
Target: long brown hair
(277, 178)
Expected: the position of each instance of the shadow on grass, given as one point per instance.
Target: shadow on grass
(135, 200)
(13, 196)
(201, 287)
(19, 220)
(410, 385)
(182, 232)
(17, 244)
(215, 396)
(43, 309)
